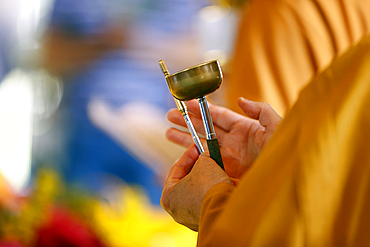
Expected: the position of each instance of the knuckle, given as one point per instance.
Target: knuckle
(266, 105)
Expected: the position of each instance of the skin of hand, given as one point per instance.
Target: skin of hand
(187, 182)
(241, 138)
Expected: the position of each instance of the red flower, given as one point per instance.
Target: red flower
(65, 229)
(10, 244)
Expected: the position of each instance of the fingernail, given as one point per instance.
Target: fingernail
(204, 154)
(243, 99)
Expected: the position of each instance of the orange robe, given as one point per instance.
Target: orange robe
(310, 186)
(283, 44)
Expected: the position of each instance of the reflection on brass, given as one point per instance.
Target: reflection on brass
(181, 106)
(196, 81)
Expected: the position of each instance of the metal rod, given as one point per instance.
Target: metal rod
(207, 120)
(181, 106)
(212, 142)
(190, 126)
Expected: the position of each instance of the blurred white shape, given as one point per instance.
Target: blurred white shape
(48, 92)
(140, 128)
(16, 98)
(217, 27)
(29, 17)
(32, 21)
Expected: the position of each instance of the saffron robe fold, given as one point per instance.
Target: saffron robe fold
(310, 186)
(283, 44)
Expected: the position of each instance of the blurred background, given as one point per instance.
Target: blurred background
(83, 155)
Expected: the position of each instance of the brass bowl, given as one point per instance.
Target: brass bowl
(196, 81)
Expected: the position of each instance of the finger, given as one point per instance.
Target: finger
(199, 127)
(175, 117)
(235, 181)
(179, 137)
(182, 138)
(223, 121)
(193, 107)
(183, 166)
(260, 111)
(222, 117)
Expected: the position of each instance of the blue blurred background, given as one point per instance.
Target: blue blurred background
(81, 91)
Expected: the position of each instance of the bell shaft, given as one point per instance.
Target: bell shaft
(207, 120)
(193, 133)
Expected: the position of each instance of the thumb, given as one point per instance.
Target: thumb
(260, 111)
(184, 165)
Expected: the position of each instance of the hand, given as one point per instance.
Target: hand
(241, 138)
(186, 185)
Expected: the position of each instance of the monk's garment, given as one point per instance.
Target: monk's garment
(283, 44)
(310, 186)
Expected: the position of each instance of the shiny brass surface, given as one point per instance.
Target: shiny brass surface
(181, 106)
(196, 81)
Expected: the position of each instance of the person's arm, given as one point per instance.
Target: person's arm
(213, 204)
